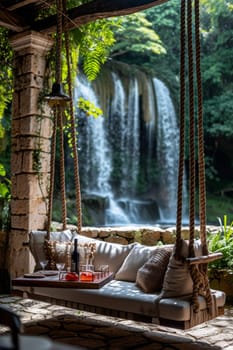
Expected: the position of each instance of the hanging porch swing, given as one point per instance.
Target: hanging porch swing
(192, 257)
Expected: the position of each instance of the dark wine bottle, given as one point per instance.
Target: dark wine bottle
(75, 258)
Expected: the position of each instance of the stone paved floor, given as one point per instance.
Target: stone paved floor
(91, 331)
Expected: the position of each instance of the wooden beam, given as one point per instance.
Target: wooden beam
(204, 259)
(11, 21)
(21, 4)
(96, 9)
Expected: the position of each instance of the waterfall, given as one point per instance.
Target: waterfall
(150, 125)
(94, 147)
(128, 160)
(132, 148)
(125, 133)
(167, 152)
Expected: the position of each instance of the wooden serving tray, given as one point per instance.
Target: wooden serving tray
(54, 282)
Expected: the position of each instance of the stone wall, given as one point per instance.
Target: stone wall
(149, 236)
(144, 235)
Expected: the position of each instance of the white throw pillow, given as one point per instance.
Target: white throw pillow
(136, 258)
(111, 254)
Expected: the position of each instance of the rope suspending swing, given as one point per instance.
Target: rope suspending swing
(198, 265)
(58, 101)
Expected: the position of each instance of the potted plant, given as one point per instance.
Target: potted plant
(221, 271)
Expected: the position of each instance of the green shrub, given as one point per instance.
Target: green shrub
(222, 242)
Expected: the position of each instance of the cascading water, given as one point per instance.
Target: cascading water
(168, 155)
(167, 152)
(133, 134)
(96, 158)
(120, 152)
(150, 125)
(125, 133)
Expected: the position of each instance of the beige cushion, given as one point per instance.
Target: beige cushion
(150, 276)
(177, 280)
(37, 239)
(111, 254)
(136, 258)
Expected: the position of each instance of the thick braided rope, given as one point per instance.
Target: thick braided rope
(198, 272)
(52, 173)
(58, 40)
(60, 116)
(55, 115)
(191, 131)
(182, 131)
(202, 189)
(197, 285)
(193, 269)
(73, 129)
(62, 169)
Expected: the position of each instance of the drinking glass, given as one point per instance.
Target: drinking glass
(43, 264)
(104, 269)
(60, 266)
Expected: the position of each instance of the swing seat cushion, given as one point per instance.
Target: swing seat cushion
(122, 296)
(130, 292)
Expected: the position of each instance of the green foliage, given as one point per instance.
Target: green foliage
(89, 108)
(136, 35)
(5, 184)
(217, 78)
(220, 105)
(217, 205)
(5, 76)
(94, 41)
(222, 242)
(165, 19)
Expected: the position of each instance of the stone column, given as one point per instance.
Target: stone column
(31, 132)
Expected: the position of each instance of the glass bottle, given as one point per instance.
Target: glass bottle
(75, 258)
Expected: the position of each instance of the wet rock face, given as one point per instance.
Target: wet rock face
(96, 207)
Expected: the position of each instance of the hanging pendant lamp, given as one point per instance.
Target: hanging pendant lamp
(57, 97)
